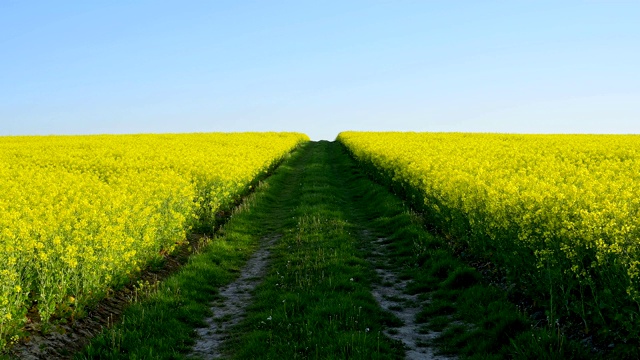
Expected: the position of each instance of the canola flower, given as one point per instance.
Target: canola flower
(559, 212)
(81, 214)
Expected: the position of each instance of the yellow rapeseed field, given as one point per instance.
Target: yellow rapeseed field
(79, 214)
(559, 211)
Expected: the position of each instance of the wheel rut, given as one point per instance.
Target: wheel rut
(391, 296)
(230, 309)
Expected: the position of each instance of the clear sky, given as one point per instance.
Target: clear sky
(319, 67)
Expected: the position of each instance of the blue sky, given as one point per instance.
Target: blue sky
(86, 67)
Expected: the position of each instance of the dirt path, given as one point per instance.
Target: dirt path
(234, 299)
(321, 197)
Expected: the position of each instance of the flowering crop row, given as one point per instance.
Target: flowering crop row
(559, 212)
(79, 214)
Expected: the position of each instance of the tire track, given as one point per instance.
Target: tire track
(393, 299)
(230, 309)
